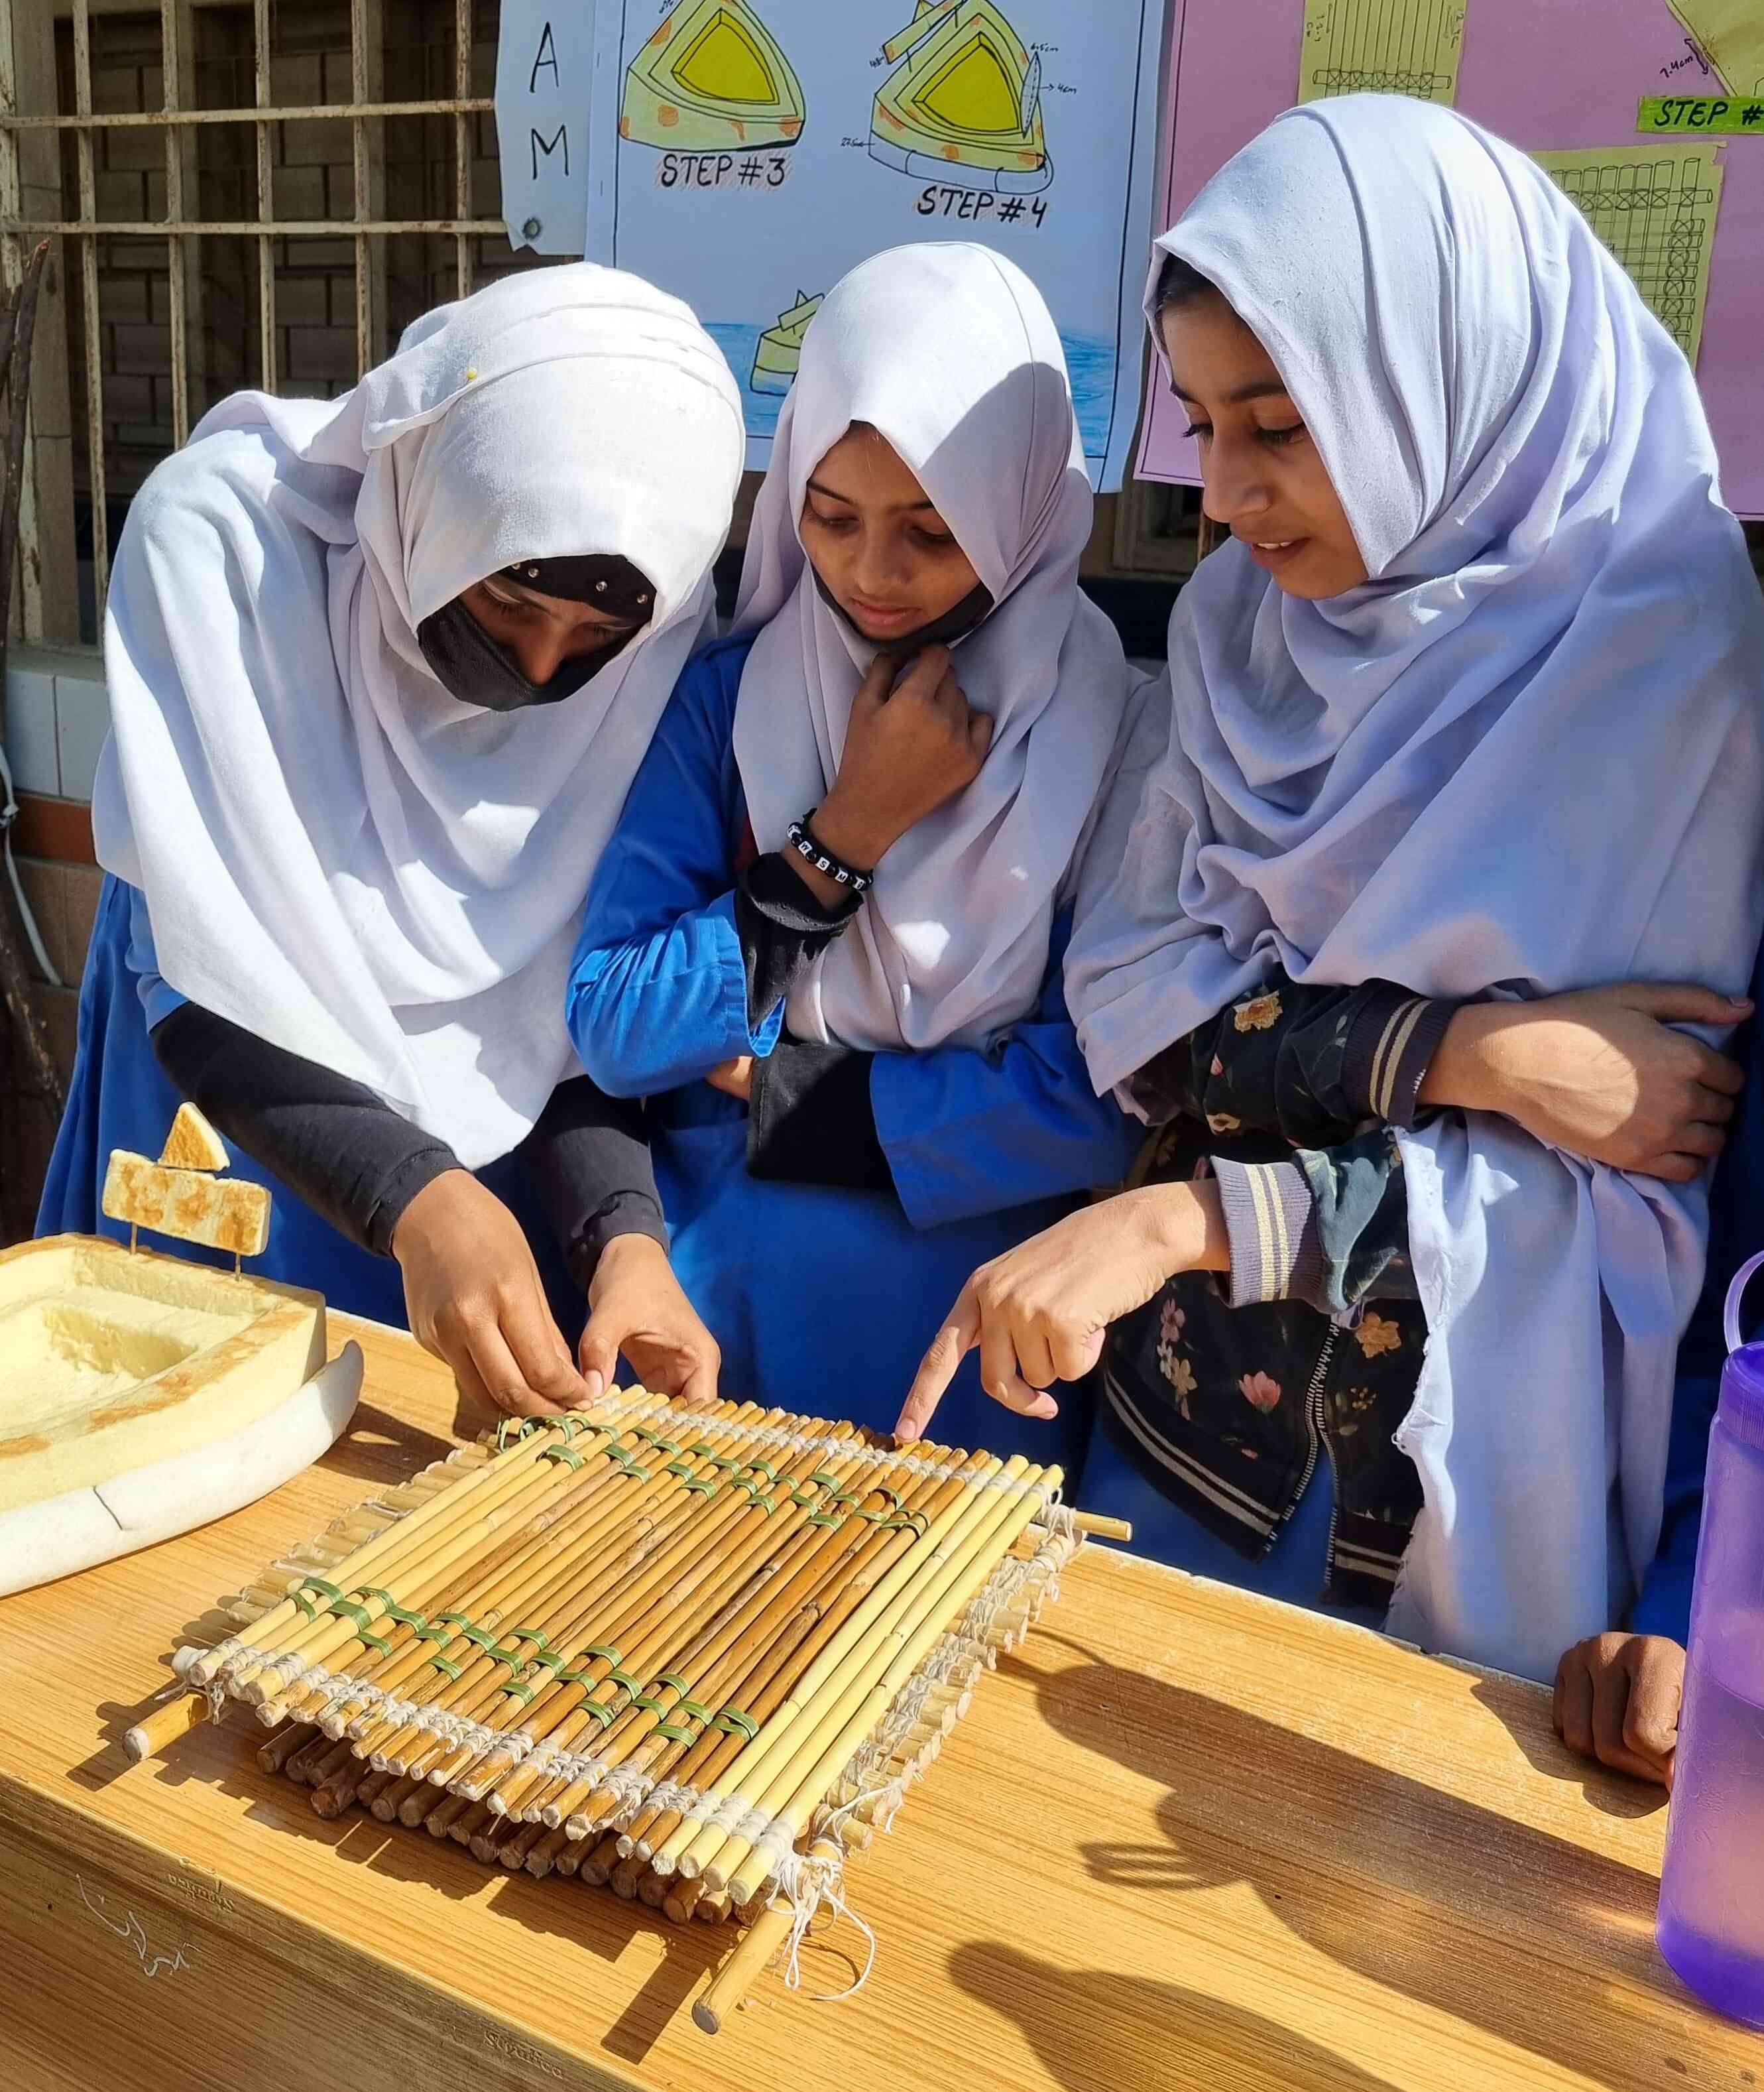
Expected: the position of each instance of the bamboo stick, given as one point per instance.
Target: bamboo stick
(607, 1553)
(376, 1553)
(862, 1624)
(741, 1866)
(464, 1519)
(724, 1585)
(729, 1986)
(1095, 1527)
(856, 1698)
(158, 1730)
(600, 1536)
(705, 1768)
(282, 1746)
(748, 1645)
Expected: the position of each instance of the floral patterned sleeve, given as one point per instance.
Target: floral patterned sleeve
(1310, 1064)
(1303, 1089)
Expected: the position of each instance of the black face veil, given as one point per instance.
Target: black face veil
(478, 670)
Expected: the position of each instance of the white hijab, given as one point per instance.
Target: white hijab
(1524, 756)
(336, 853)
(950, 354)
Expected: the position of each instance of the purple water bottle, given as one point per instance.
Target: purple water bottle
(1711, 1927)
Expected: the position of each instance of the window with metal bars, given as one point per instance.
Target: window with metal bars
(240, 194)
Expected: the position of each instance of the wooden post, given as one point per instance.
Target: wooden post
(47, 582)
(18, 328)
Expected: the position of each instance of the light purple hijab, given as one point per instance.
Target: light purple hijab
(1524, 756)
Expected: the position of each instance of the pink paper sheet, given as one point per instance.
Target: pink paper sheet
(1548, 74)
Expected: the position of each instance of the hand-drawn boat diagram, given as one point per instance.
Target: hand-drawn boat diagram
(712, 78)
(963, 102)
(779, 349)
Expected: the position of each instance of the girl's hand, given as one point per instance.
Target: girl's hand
(1617, 1699)
(474, 1298)
(909, 746)
(1039, 1313)
(1599, 1073)
(636, 1306)
(735, 1078)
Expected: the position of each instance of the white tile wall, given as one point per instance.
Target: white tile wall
(82, 720)
(57, 716)
(31, 741)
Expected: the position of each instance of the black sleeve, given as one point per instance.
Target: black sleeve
(588, 1159)
(809, 1117)
(1310, 1064)
(782, 929)
(331, 1141)
(810, 1120)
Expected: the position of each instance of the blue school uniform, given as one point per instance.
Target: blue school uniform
(823, 1300)
(120, 1097)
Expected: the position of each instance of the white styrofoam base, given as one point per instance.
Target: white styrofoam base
(40, 1542)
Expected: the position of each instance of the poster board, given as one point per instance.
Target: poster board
(1641, 109)
(746, 154)
(544, 58)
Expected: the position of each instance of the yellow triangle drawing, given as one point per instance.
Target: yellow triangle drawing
(780, 348)
(963, 102)
(1730, 33)
(712, 78)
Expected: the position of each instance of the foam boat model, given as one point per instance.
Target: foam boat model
(779, 351)
(141, 1396)
(963, 103)
(712, 78)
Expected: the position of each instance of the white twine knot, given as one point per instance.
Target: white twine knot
(806, 1884)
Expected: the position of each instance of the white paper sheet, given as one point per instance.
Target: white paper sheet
(745, 154)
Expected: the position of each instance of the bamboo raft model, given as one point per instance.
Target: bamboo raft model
(699, 1655)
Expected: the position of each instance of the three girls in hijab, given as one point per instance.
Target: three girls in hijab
(1468, 704)
(380, 670)
(826, 940)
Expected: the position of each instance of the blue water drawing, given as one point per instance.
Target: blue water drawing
(1090, 361)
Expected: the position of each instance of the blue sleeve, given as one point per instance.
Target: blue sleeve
(157, 998)
(967, 1132)
(1735, 1228)
(658, 989)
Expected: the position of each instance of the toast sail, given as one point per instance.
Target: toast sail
(780, 346)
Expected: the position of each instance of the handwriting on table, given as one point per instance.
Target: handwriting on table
(130, 1929)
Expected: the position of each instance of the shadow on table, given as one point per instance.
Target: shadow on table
(1097, 2030)
(593, 1920)
(381, 1448)
(1303, 1824)
(1609, 1793)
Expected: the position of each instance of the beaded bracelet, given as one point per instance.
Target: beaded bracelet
(807, 845)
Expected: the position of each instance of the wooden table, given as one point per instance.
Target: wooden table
(1186, 1839)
